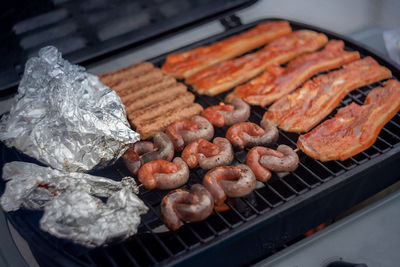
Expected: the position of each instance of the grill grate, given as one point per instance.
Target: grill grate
(154, 245)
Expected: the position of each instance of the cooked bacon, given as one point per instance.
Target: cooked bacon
(184, 64)
(354, 128)
(306, 107)
(223, 76)
(278, 82)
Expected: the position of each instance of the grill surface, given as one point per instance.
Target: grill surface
(284, 209)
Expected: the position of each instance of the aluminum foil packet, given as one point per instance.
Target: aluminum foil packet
(65, 117)
(71, 202)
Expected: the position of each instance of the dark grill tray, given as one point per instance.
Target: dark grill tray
(255, 226)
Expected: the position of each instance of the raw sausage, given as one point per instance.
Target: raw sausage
(190, 206)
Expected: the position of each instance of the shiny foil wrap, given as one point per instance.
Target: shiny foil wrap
(65, 117)
(71, 203)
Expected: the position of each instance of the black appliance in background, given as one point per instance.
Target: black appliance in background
(255, 226)
(90, 30)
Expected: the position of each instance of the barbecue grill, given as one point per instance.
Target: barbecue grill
(254, 226)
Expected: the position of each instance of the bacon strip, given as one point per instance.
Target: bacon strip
(306, 107)
(354, 128)
(184, 64)
(223, 76)
(278, 82)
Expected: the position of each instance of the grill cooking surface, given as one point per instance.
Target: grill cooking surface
(154, 244)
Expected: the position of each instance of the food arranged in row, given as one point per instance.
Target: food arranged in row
(150, 94)
(354, 128)
(228, 74)
(192, 138)
(182, 132)
(152, 99)
(277, 82)
(185, 64)
(317, 98)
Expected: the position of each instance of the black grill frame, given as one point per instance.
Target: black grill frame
(286, 208)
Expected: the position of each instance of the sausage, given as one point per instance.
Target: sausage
(248, 134)
(190, 206)
(208, 155)
(165, 149)
(132, 157)
(222, 114)
(240, 113)
(216, 114)
(192, 150)
(183, 132)
(173, 180)
(144, 151)
(288, 161)
(253, 157)
(163, 174)
(272, 133)
(231, 181)
(223, 158)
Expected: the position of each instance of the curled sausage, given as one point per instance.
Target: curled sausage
(253, 157)
(164, 149)
(208, 155)
(221, 115)
(248, 134)
(183, 132)
(144, 151)
(163, 174)
(191, 152)
(287, 161)
(231, 181)
(189, 206)
(132, 157)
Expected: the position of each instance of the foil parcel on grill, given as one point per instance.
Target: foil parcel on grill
(72, 202)
(65, 117)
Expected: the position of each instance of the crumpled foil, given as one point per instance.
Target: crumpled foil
(65, 117)
(71, 203)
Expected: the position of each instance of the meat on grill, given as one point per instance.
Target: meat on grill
(354, 128)
(153, 100)
(191, 205)
(184, 64)
(226, 75)
(208, 155)
(306, 107)
(248, 134)
(163, 174)
(231, 181)
(183, 132)
(225, 115)
(277, 82)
